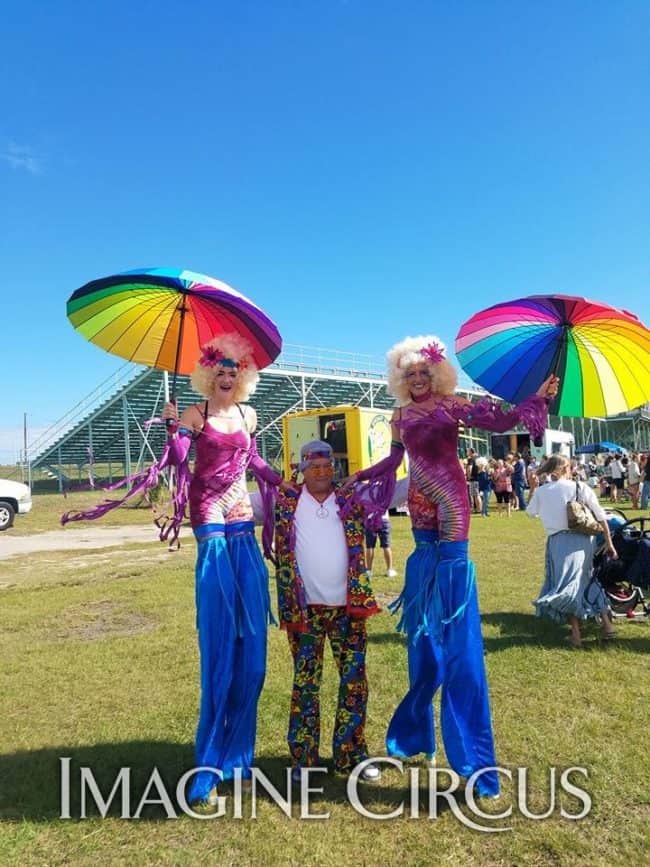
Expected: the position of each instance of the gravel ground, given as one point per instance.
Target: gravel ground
(12, 545)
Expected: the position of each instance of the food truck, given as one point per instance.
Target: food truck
(359, 436)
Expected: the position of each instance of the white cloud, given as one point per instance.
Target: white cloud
(22, 157)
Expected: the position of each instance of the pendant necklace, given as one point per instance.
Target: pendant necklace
(322, 511)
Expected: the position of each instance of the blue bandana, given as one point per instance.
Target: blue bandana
(312, 451)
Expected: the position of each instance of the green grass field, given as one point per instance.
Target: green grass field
(99, 663)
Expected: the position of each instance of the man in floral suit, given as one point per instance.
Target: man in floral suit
(324, 591)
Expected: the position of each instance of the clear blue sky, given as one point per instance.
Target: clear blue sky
(363, 170)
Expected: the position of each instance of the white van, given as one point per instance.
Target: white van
(15, 499)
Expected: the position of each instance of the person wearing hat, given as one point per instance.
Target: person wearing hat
(324, 592)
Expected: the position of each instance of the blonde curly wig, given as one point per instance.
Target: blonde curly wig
(409, 352)
(237, 348)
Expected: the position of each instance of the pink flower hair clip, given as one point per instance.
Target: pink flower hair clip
(433, 352)
(210, 356)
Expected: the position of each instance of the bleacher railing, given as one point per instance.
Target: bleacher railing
(102, 392)
(316, 359)
(294, 358)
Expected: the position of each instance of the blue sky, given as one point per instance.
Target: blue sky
(363, 170)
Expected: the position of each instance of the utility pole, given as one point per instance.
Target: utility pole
(26, 460)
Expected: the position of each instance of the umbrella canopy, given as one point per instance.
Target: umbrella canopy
(597, 448)
(600, 353)
(161, 317)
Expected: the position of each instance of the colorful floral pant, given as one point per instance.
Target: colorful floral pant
(348, 639)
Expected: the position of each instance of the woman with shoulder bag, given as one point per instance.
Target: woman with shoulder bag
(569, 553)
(644, 465)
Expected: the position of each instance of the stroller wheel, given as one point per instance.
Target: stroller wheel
(623, 599)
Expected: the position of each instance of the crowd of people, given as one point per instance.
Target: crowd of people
(552, 484)
(620, 478)
(513, 479)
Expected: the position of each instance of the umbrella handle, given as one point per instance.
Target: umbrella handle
(171, 422)
(172, 399)
(539, 441)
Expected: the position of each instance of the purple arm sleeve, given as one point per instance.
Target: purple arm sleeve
(488, 414)
(174, 455)
(179, 446)
(387, 465)
(260, 469)
(267, 480)
(376, 496)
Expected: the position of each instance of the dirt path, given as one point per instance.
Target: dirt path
(76, 540)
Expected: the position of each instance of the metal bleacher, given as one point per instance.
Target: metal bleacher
(109, 428)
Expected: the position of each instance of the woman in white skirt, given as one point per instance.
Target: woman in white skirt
(569, 555)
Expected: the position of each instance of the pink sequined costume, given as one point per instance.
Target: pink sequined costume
(439, 601)
(231, 586)
(438, 488)
(232, 602)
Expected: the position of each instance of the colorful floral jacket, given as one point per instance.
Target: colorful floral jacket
(292, 604)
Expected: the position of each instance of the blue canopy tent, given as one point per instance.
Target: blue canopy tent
(597, 448)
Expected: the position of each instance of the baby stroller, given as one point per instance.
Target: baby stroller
(623, 579)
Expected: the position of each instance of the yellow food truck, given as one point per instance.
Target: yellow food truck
(359, 436)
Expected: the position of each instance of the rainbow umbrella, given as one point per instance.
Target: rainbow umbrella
(160, 317)
(600, 353)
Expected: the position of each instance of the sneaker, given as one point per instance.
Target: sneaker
(370, 774)
(391, 573)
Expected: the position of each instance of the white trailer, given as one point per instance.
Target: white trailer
(553, 442)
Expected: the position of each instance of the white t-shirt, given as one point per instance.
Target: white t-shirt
(549, 503)
(633, 473)
(321, 550)
(616, 470)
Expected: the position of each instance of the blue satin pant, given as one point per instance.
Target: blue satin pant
(232, 613)
(445, 649)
